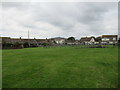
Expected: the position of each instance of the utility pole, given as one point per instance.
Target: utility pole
(28, 34)
(28, 38)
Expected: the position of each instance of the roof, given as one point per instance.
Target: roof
(86, 39)
(5, 37)
(70, 41)
(58, 38)
(97, 39)
(109, 36)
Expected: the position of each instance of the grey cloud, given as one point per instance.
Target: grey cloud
(77, 19)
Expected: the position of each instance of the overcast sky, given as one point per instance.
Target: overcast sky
(59, 19)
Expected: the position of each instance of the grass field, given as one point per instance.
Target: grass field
(60, 67)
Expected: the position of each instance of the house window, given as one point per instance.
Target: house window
(105, 39)
(114, 38)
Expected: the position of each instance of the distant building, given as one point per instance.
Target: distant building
(98, 40)
(72, 42)
(41, 41)
(32, 42)
(6, 39)
(58, 40)
(87, 40)
(20, 42)
(109, 39)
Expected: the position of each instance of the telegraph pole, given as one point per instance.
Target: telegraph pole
(28, 38)
(28, 34)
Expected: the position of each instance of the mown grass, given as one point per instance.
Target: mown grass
(60, 67)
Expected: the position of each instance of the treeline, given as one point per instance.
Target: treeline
(18, 45)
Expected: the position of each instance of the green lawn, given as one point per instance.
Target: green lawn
(60, 67)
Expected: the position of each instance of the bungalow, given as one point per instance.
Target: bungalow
(41, 41)
(6, 39)
(72, 42)
(58, 40)
(87, 40)
(98, 40)
(109, 39)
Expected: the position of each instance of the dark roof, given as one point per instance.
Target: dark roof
(86, 39)
(97, 39)
(109, 36)
(42, 40)
(5, 37)
(58, 38)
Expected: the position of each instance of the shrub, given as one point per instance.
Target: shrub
(26, 45)
(71, 38)
(45, 44)
(7, 45)
(17, 44)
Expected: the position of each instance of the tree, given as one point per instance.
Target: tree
(119, 42)
(7, 45)
(45, 44)
(17, 44)
(71, 38)
(26, 45)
